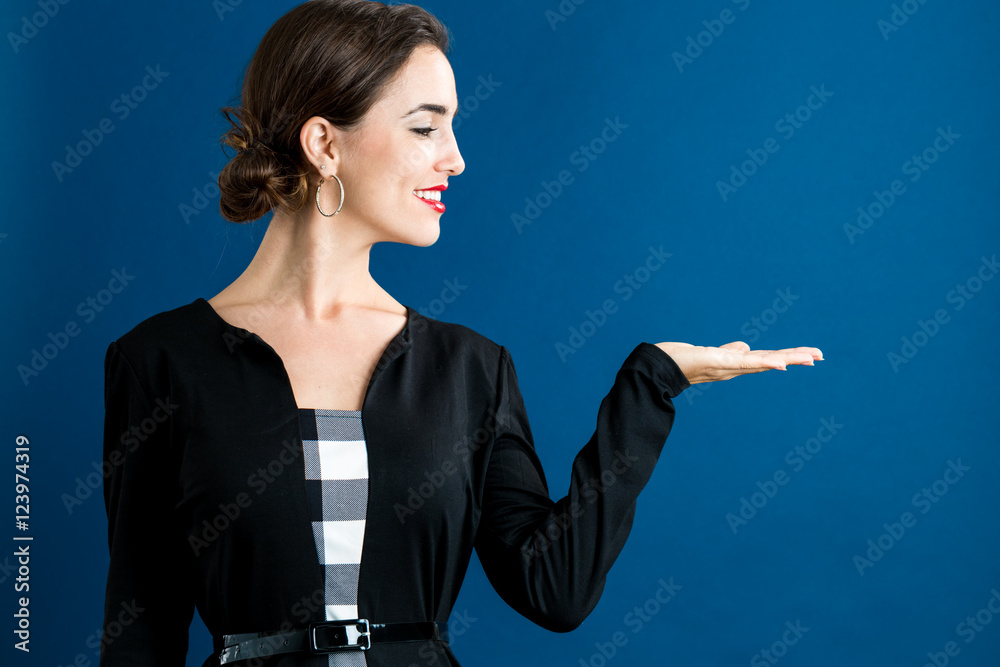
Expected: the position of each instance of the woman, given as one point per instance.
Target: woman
(302, 449)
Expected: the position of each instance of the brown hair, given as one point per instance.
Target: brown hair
(329, 58)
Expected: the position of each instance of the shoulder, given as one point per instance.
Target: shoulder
(176, 329)
(450, 333)
(455, 340)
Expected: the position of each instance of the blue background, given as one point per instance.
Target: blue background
(554, 85)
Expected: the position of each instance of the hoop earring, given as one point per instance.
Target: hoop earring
(318, 206)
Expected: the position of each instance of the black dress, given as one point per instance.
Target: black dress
(208, 505)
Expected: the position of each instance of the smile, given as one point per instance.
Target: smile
(431, 197)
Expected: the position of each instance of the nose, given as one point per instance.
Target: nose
(452, 160)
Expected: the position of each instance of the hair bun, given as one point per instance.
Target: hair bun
(259, 178)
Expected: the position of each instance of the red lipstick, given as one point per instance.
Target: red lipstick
(436, 205)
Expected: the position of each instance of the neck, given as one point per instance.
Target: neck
(314, 267)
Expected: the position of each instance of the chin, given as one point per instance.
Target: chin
(421, 237)
(429, 238)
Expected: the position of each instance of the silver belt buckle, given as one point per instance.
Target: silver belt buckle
(349, 636)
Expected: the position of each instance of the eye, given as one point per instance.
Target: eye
(424, 131)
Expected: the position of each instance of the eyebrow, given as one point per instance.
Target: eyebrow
(426, 106)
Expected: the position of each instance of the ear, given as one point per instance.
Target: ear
(322, 144)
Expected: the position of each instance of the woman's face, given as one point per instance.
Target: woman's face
(404, 144)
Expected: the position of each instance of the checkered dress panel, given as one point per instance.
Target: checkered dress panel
(336, 468)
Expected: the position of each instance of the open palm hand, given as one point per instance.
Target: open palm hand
(711, 364)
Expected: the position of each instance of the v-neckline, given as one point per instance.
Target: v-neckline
(397, 345)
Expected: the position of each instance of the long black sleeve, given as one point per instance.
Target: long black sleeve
(149, 602)
(549, 560)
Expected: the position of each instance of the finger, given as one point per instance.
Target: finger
(779, 359)
(814, 352)
(802, 358)
(759, 361)
(793, 358)
(738, 346)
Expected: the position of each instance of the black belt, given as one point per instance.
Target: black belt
(328, 637)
